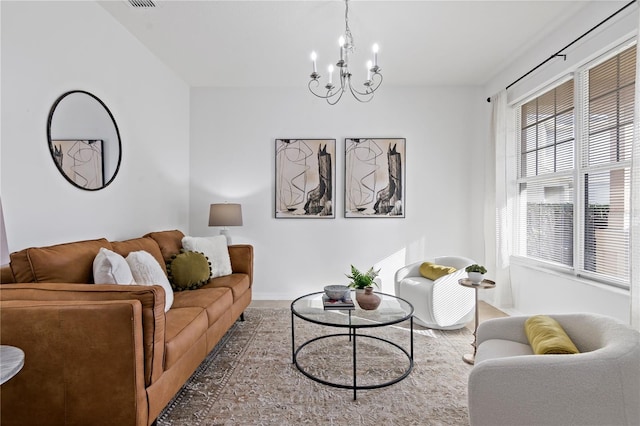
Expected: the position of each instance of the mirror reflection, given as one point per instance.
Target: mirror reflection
(84, 140)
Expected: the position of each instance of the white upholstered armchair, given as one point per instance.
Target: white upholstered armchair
(442, 304)
(509, 385)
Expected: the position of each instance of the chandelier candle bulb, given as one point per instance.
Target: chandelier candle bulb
(369, 65)
(375, 54)
(330, 69)
(313, 59)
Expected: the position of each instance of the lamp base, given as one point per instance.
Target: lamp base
(225, 232)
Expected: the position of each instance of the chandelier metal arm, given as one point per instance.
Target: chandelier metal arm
(371, 87)
(330, 93)
(339, 93)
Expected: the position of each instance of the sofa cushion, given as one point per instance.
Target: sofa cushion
(238, 283)
(433, 271)
(215, 301)
(188, 270)
(216, 250)
(500, 348)
(137, 244)
(170, 242)
(184, 327)
(147, 271)
(547, 336)
(62, 263)
(111, 268)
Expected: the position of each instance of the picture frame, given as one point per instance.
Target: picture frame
(305, 178)
(81, 161)
(374, 183)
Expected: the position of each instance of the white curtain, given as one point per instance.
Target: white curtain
(499, 199)
(635, 206)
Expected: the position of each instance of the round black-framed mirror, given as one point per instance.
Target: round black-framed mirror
(84, 140)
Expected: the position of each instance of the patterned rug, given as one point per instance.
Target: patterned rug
(249, 378)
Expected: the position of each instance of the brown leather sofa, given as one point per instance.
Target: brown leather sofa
(107, 354)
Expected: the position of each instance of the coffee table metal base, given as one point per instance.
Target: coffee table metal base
(353, 337)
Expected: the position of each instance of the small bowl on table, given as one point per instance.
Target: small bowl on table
(336, 292)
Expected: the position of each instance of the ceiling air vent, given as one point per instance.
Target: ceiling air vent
(144, 4)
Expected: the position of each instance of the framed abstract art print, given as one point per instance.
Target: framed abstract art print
(305, 178)
(374, 178)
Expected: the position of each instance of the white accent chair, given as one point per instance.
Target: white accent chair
(441, 304)
(509, 385)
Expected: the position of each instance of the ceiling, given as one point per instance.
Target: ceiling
(268, 43)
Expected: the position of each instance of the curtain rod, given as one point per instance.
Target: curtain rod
(559, 52)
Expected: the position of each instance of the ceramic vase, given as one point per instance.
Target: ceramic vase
(475, 277)
(368, 300)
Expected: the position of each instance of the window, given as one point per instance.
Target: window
(546, 187)
(574, 176)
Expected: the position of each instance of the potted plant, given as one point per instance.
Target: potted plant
(360, 281)
(364, 289)
(476, 272)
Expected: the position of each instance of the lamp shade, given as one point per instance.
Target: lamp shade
(4, 247)
(226, 214)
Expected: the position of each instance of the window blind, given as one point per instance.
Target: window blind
(547, 141)
(605, 156)
(547, 137)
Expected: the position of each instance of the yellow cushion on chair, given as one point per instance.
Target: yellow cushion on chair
(546, 336)
(433, 272)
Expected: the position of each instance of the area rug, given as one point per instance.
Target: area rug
(249, 378)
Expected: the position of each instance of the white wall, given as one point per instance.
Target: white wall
(49, 48)
(233, 134)
(536, 290)
(618, 28)
(540, 291)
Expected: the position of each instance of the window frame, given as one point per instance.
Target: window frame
(576, 174)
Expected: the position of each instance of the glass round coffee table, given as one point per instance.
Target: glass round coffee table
(359, 326)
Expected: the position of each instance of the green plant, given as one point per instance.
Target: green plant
(476, 268)
(360, 280)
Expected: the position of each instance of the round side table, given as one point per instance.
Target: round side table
(484, 284)
(11, 361)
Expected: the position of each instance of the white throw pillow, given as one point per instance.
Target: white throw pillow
(216, 250)
(147, 271)
(111, 268)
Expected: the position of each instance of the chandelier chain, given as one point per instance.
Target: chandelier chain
(350, 43)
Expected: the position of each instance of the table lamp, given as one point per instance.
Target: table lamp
(225, 214)
(4, 247)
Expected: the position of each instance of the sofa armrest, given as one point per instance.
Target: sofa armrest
(242, 259)
(6, 275)
(83, 362)
(458, 262)
(507, 328)
(411, 270)
(553, 389)
(152, 299)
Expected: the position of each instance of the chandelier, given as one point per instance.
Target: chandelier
(334, 93)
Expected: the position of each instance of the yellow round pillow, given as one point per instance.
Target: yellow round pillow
(188, 270)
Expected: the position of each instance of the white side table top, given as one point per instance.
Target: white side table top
(11, 361)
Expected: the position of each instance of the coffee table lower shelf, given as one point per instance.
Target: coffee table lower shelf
(354, 337)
